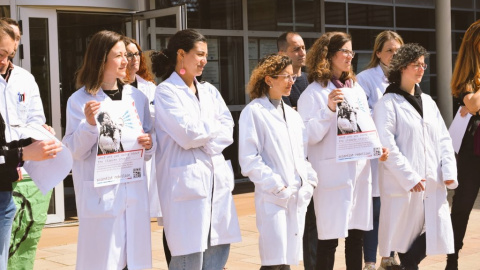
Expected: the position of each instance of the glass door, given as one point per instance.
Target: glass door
(39, 43)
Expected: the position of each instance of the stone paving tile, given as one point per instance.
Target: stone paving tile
(43, 264)
(245, 255)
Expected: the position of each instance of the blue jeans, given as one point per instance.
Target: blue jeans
(213, 258)
(7, 214)
(370, 238)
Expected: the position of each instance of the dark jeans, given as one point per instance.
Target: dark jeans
(275, 267)
(370, 238)
(166, 250)
(310, 238)
(465, 195)
(415, 254)
(353, 251)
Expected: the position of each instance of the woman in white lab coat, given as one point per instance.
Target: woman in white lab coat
(193, 126)
(272, 154)
(374, 82)
(414, 218)
(342, 199)
(114, 220)
(141, 78)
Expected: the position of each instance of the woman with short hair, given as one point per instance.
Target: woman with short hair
(414, 218)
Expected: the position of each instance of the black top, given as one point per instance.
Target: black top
(415, 100)
(467, 147)
(134, 83)
(297, 89)
(115, 94)
(10, 158)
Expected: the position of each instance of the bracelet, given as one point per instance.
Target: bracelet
(20, 157)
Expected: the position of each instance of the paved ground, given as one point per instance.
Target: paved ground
(57, 247)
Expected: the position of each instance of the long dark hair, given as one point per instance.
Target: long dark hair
(91, 72)
(164, 62)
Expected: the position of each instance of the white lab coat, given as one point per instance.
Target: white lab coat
(374, 83)
(342, 198)
(20, 99)
(192, 134)
(114, 220)
(272, 154)
(419, 149)
(148, 88)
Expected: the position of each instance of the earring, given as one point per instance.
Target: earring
(182, 70)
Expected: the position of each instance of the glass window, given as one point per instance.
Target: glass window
(420, 3)
(432, 63)
(457, 40)
(282, 16)
(360, 61)
(335, 13)
(426, 39)
(462, 4)
(306, 16)
(428, 85)
(461, 20)
(370, 15)
(415, 17)
(363, 39)
(225, 68)
(268, 15)
(231, 152)
(333, 29)
(208, 14)
(5, 11)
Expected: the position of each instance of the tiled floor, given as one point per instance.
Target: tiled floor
(57, 248)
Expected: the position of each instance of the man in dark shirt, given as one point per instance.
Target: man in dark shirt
(291, 44)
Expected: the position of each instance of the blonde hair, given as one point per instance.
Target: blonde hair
(466, 74)
(319, 58)
(270, 65)
(378, 46)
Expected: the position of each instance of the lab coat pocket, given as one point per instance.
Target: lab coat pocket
(305, 194)
(190, 182)
(98, 201)
(332, 175)
(273, 204)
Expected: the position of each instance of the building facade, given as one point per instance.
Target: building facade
(239, 33)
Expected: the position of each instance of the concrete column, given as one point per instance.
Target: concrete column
(443, 36)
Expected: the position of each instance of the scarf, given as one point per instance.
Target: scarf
(340, 84)
(415, 100)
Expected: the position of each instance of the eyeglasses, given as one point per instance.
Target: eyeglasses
(418, 66)
(286, 76)
(347, 52)
(131, 55)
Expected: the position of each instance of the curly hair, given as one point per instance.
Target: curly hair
(319, 58)
(466, 74)
(378, 47)
(407, 54)
(143, 70)
(270, 65)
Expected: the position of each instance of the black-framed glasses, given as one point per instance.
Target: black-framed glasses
(131, 55)
(286, 76)
(347, 52)
(418, 66)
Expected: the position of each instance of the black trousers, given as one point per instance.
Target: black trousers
(275, 267)
(468, 166)
(310, 238)
(415, 254)
(353, 252)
